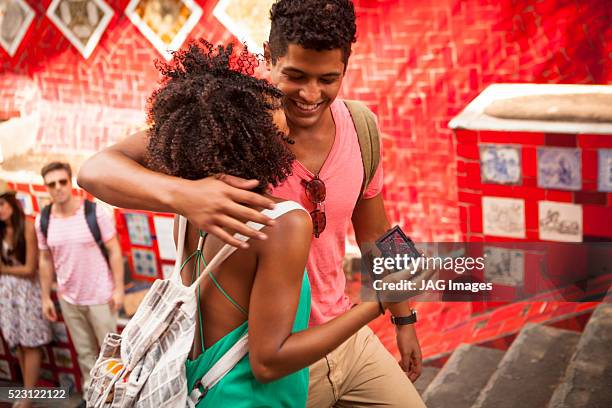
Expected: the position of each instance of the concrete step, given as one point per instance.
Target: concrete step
(530, 370)
(465, 373)
(427, 375)
(588, 378)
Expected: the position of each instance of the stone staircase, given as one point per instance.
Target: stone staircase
(544, 367)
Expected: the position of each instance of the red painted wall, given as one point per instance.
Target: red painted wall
(417, 64)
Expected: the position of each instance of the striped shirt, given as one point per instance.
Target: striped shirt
(83, 275)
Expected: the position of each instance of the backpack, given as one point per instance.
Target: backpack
(369, 139)
(90, 217)
(144, 366)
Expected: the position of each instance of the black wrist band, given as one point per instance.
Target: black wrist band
(404, 320)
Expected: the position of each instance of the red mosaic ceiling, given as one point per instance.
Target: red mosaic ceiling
(417, 64)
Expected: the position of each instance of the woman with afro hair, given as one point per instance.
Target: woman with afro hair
(210, 116)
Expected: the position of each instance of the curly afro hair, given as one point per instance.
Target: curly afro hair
(211, 116)
(320, 25)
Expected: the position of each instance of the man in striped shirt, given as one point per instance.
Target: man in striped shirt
(90, 288)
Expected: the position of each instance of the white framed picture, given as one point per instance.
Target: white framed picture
(248, 20)
(503, 217)
(81, 21)
(15, 19)
(560, 221)
(165, 23)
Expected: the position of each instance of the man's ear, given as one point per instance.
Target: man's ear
(267, 55)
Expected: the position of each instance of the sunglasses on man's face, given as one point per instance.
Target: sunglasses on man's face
(54, 184)
(316, 192)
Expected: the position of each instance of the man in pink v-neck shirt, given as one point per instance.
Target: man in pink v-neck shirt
(343, 189)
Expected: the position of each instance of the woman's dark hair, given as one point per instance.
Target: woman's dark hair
(18, 223)
(211, 116)
(320, 25)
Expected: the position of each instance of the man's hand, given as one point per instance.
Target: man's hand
(219, 202)
(410, 351)
(116, 301)
(48, 309)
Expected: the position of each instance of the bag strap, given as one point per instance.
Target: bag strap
(94, 228)
(223, 366)
(45, 216)
(369, 139)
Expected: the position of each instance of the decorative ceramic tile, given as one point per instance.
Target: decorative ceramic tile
(165, 23)
(15, 18)
(47, 375)
(138, 229)
(504, 266)
(164, 233)
(500, 164)
(604, 182)
(62, 357)
(167, 270)
(560, 221)
(559, 168)
(42, 201)
(145, 263)
(26, 202)
(67, 380)
(248, 20)
(60, 334)
(82, 21)
(5, 371)
(503, 217)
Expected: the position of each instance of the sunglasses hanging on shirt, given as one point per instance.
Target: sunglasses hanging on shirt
(316, 192)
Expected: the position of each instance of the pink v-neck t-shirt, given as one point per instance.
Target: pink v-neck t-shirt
(342, 174)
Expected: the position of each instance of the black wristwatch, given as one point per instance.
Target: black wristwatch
(404, 320)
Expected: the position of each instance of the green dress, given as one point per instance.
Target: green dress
(239, 388)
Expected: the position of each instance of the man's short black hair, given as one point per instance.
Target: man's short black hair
(320, 25)
(211, 116)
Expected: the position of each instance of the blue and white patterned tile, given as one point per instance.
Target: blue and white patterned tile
(500, 164)
(559, 168)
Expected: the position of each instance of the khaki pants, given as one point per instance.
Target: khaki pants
(88, 326)
(361, 373)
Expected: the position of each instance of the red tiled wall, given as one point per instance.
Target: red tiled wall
(417, 64)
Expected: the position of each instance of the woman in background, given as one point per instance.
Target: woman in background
(21, 320)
